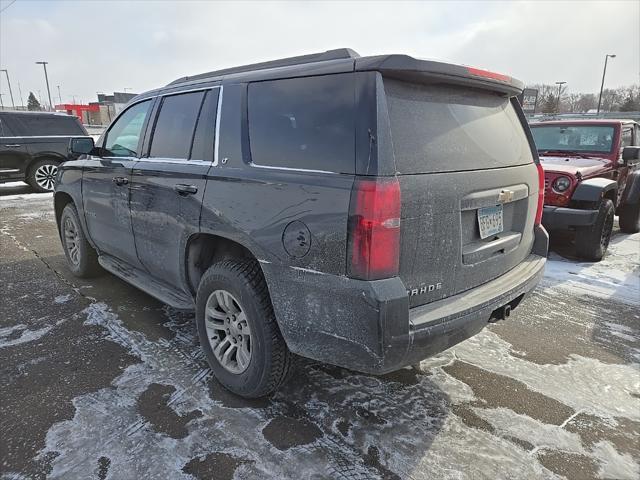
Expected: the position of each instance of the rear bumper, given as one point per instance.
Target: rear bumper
(557, 218)
(369, 327)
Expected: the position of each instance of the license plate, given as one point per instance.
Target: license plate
(490, 221)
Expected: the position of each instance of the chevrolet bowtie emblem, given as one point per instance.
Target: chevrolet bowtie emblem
(505, 196)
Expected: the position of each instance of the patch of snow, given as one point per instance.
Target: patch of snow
(12, 201)
(26, 335)
(542, 435)
(613, 464)
(38, 214)
(585, 384)
(617, 275)
(417, 437)
(62, 298)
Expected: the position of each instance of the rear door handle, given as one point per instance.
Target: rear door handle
(183, 189)
(120, 180)
(12, 145)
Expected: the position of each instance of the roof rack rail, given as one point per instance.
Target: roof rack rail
(337, 54)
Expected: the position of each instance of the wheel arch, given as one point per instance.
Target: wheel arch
(56, 157)
(593, 190)
(61, 200)
(205, 249)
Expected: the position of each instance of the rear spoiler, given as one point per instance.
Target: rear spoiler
(404, 67)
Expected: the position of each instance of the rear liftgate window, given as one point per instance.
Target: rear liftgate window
(305, 123)
(441, 128)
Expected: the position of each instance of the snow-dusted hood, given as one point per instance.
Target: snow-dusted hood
(573, 165)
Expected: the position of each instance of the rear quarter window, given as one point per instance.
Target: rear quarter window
(303, 123)
(442, 128)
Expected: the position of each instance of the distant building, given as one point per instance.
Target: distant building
(100, 112)
(83, 112)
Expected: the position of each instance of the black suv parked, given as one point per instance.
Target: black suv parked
(33, 144)
(365, 212)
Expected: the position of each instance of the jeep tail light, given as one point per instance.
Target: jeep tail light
(538, 220)
(374, 228)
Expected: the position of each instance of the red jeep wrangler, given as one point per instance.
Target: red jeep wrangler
(591, 172)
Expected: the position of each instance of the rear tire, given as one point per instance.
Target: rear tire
(82, 259)
(630, 218)
(42, 175)
(238, 331)
(592, 241)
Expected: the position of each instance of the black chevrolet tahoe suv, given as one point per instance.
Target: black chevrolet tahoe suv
(366, 212)
(33, 144)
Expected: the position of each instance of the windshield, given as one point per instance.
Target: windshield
(573, 138)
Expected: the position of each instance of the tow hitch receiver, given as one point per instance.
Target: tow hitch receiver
(501, 313)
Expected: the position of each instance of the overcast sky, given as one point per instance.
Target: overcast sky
(95, 46)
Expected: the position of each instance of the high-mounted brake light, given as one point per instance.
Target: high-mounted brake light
(374, 228)
(538, 220)
(478, 72)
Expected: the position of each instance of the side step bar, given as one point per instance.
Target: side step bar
(146, 283)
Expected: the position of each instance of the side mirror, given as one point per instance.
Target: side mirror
(630, 155)
(81, 146)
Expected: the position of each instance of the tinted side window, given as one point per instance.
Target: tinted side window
(124, 135)
(204, 137)
(303, 123)
(626, 138)
(5, 131)
(34, 125)
(175, 125)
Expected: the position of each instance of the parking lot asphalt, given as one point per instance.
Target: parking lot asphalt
(101, 381)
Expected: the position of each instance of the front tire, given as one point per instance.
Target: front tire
(630, 218)
(42, 175)
(82, 259)
(238, 331)
(592, 241)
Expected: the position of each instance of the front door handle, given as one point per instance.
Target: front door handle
(13, 145)
(120, 181)
(183, 189)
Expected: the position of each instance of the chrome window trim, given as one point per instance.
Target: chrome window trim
(172, 160)
(216, 140)
(177, 160)
(289, 169)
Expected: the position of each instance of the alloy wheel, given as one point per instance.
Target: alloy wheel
(228, 331)
(72, 240)
(46, 176)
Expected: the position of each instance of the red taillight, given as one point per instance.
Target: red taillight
(374, 228)
(487, 74)
(538, 220)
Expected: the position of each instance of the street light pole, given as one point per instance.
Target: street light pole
(20, 92)
(46, 77)
(9, 84)
(59, 94)
(604, 72)
(559, 92)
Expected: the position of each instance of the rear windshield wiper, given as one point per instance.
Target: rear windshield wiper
(563, 152)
